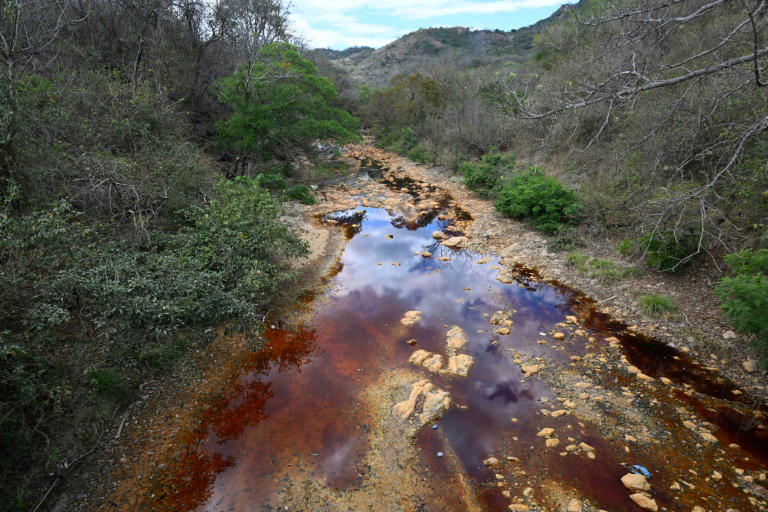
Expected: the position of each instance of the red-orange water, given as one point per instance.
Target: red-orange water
(296, 403)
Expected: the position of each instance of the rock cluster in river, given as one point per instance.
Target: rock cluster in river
(424, 404)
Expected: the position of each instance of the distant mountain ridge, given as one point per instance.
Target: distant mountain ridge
(459, 45)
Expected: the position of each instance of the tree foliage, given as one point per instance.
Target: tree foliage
(278, 103)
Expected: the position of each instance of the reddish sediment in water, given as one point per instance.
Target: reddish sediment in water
(295, 409)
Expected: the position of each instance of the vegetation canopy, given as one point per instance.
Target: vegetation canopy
(278, 103)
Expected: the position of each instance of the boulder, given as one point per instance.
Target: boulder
(635, 482)
(644, 501)
(455, 339)
(455, 242)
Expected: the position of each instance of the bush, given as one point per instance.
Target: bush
(399, 141)
(656, 305)
(667, 251)
(422, 155)
(532, 195)
(301, 193)
(271, 181)
(744, 295)
(65, 281)
(483, 177)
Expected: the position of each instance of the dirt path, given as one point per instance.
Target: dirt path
(427, 377)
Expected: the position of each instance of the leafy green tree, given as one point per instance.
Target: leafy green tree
(744, 296)
(279, 103)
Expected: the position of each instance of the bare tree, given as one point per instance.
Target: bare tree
(699, 57)
(27, 29)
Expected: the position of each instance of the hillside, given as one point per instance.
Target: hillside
(417, 50)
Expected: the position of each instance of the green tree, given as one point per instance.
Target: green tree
(280, 103)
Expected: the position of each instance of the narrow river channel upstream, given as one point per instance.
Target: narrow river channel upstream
(428, 377)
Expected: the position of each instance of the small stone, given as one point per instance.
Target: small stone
(410, 318)
(426, 254)
(644, 501)
(635, 482)
(675, 486)
(584, 446)
(545, 432)
(502, 331)
(558, 413)
(455, 242)
(552, 442)
(439, 235)
(698, 509)
(412, 342)
(559, 336)
(716, 475)
(518, 507)
(708, 437)
(506, 494)
(665, 381)
(491, 461)
(574, 505)
(749, 366)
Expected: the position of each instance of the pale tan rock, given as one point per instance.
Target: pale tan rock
(675, 486)
(635, 482)
(419, 356)
(644, 501)
(665, 381)
(435, 402)
(410, 318)
(587, 448)
(545, 432)
(559, 336)
(530, 369)
(426, 254)
(574, 505)
(502, 330)
(439, 235)
(552, 442)
(433, 363)
(716, 475)
(697, 508)
(644, 377)
(519, 507)
(455, 339)
(571, 319)
(558, 413)
(459, 365)
(708, 437)
(455, 242)
(749, 366)
(491, 462)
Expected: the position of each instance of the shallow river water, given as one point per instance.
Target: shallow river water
(296, 408)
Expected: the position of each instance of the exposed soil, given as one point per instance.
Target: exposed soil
(530, 396)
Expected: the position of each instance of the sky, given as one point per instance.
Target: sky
(339, 24)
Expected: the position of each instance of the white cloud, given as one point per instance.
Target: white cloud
(336, 23)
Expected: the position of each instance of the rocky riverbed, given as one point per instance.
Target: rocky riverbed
(445, 365)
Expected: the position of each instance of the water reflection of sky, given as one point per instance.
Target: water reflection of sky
(306, 409)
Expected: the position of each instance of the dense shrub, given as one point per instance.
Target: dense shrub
(744, 295)
(667, 251)
(400, 141)
(422, 154)
(301, 193)
(271, 181)
(484, 176)
(64, 280)
(532, 195)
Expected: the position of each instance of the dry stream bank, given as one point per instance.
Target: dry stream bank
(435, 374)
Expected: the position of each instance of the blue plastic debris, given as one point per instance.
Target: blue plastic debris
(640, 470)
(434, 427)
(439, 454)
